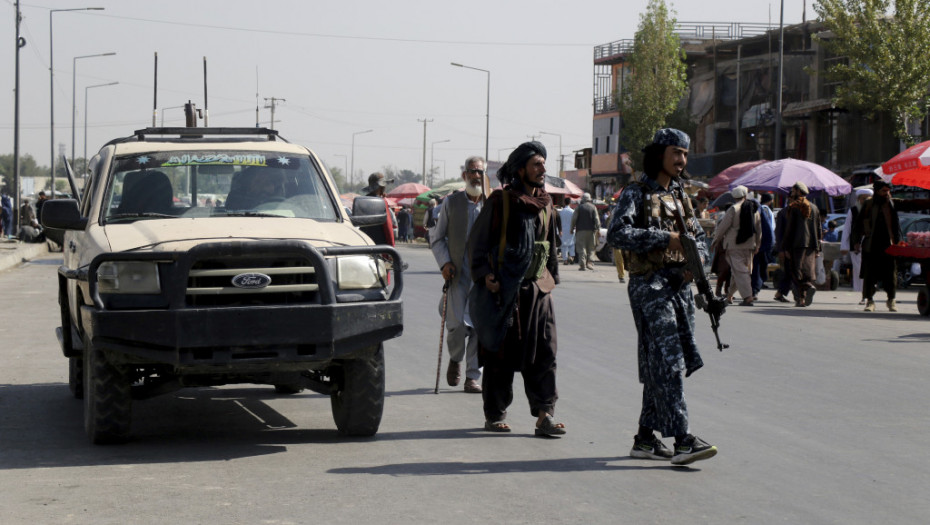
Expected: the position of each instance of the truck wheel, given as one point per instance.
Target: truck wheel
(358, 400)
(76, 376)
(107, 398)
(923, 302)
(606, 254)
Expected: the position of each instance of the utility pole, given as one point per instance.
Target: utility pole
(20, 43)
(424, 121)
(271, 103)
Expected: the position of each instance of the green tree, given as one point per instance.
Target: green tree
(886, 67)
(338, 177)
(658, 79)
(27, 168)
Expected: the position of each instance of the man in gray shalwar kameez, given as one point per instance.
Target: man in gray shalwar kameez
(448, 241)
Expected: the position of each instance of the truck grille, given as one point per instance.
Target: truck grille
(293, 281)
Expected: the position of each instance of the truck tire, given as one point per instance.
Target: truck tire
(107, 398)
(76, 376)
(358, 398)
(606, 254)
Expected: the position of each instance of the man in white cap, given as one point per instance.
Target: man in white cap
(855, 258)
(740, 233)
(585, 226)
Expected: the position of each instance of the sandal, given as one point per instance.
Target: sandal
(496, 426)
(549, 427)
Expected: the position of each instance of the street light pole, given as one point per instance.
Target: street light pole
(351, 173)
(85, 119)
(431, 146)
(51, 84)
(776, 154)
(487, 114)
(560, 149)
(74, 97)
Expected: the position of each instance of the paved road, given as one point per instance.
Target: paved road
(820, 415)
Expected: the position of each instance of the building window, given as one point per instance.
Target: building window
(597, 148)
(611, 125)
(607, 145)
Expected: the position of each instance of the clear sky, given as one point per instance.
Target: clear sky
(341, 66)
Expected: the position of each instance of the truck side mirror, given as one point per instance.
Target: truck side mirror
(62, 214)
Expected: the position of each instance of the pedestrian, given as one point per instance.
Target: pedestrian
(404, 221)
(855, 258)
(762, 258)
(585, 225)
(448, 242)
(701, 211)
(515, 269)
(568, 237)
(29, 228)
(383, 234)
(645, 224)
(801, 243)
(40, 201)
(6, 216)
(831, 235)
(740, 233)
(875, 229)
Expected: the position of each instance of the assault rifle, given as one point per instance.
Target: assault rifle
(705, 298)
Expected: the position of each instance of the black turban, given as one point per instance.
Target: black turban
(518, 159)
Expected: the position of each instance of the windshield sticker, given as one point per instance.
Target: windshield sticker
(219, 158)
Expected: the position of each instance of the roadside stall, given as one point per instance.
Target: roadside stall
(917, 248)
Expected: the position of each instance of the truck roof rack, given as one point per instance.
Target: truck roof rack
(181, 133)
(185, 132)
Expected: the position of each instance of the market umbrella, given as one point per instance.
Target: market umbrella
(407, 189)
(913, 157)
(781, 175)
(720, 183)
(559, 186)
(919, 177)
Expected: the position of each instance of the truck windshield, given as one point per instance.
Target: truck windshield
(165, 185)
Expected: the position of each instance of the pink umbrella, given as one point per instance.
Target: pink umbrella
(407, 189)
(720, 183)
(781, 175)
(913, 157)
(558, 186)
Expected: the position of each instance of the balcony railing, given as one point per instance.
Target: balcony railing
(689, 30)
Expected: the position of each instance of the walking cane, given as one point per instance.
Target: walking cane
(442, 331)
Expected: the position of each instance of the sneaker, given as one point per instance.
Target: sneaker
(780, 298)
(892, 307)
(870, 306)
(650, 448)
(692, 449)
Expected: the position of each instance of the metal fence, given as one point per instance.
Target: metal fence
(700, 30)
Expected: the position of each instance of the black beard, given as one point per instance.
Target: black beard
(535, 184)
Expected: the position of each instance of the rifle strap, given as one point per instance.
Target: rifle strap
(506, 215)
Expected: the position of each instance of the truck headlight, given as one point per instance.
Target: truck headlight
(360, 272)
(128, 277)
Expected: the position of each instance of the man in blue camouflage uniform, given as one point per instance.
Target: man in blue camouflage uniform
(645, 225)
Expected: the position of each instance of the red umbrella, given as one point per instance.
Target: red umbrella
(919, 177)
(407, 189)
(913, 157)
(721, 183)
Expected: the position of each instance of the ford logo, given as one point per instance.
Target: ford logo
(251, 280)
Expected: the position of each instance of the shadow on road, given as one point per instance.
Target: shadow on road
(508, 467)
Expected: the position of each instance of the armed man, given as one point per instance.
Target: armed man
(648, 223)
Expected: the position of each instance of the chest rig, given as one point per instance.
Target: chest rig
(658, 214)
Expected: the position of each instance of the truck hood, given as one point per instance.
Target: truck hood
(168, 235)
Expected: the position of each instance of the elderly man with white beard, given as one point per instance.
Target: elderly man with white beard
(448, 241)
